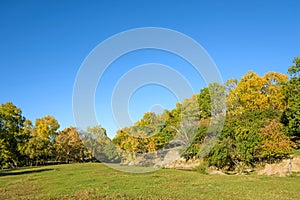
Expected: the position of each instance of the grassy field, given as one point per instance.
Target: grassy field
(97, 181)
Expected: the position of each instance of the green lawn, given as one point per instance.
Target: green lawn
(97, 181)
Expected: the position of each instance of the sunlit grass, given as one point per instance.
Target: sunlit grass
(97, 181)
(296, 152)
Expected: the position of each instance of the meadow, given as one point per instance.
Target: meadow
(97, 181)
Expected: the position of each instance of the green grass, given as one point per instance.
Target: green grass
(296, 152)
(97, 181)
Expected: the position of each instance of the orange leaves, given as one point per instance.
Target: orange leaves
(69, 146)
(275, 142)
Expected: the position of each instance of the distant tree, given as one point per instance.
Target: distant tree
(128, 143)
(24, 140)
(291, 116)
(99, 144)
(39, 150)
(11, 124)
(40, 146)
(148, 125)
(69, 146)
(205, 103)
(189, 109)
(46, 127)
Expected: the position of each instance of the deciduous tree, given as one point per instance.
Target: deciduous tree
(69, 146)
(11, 124)
(291, 116)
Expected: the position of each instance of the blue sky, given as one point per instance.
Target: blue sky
(43, 44)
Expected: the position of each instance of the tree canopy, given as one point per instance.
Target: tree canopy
(262, 125)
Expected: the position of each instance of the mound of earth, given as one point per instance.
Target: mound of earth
(283, 168)
(183, 164)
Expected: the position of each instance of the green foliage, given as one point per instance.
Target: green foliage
(40, 146)
(39, 150)
(212, 100)
(190, 110)
(194, 150)
(218, 99)
(11, 124)
(291, 116)
(99, 144)
(241, 141)
(254, 103)
(205, 103)
(256, 107)
(294, 70)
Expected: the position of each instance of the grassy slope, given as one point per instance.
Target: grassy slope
(94, 180)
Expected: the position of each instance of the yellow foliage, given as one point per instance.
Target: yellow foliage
(254, 92)
(46, 127)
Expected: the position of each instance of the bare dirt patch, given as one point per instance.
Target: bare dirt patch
(283, 168)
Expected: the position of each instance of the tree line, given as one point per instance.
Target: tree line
(23, 143)
(262, 125)
(262, 122)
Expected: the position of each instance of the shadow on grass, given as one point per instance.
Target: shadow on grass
(13, 172)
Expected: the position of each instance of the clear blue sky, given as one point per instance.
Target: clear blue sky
(43, 43)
